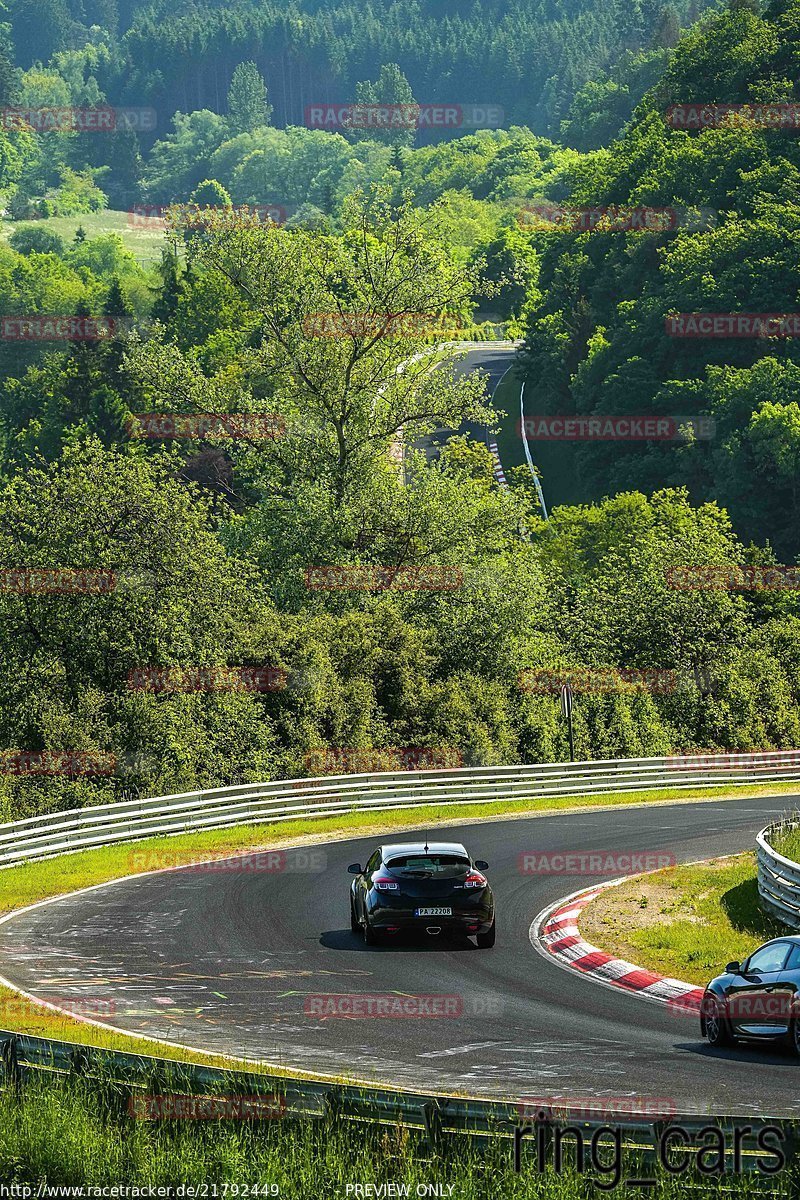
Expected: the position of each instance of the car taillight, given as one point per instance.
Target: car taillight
(475, 879)
(386, 885)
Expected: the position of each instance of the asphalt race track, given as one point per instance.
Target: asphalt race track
(230, 960)
(494, 361)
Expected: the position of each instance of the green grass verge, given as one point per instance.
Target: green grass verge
(555, 460)
(35, 881)
(789, 845)
(509, 442)
(74, 1134)
(556, 463)
(145, 242)
(686, 921)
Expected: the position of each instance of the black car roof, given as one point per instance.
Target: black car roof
(419, 848)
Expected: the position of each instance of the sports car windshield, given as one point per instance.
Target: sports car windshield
(442, 866)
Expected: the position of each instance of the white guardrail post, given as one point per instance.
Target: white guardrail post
(778, 877)
(289, 799)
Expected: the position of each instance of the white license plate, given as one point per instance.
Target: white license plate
(434, 912)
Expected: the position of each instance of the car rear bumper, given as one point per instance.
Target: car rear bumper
(470, 923)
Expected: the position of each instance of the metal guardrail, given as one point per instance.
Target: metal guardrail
(23, 1058)
(778, 876)
(123, 1079)
(290, 799)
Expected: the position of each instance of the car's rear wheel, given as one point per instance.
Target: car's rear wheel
(371, 936)
(486, 940)
(718, 1031)
(795, 1035)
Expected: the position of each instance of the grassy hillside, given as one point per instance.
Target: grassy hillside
(145, 242)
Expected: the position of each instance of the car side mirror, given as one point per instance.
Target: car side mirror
(354, 868)
(481, 864)
(733, 968)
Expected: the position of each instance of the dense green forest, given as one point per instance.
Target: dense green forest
(210, 539)
(527, 56)
(598, 343)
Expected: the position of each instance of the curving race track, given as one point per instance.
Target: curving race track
(229, 960)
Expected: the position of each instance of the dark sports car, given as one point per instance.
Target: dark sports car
(433, 887)
(758, 999)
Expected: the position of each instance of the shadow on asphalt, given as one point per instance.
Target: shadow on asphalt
(778, 1055)
(345, 939)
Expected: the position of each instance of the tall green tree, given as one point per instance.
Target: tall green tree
(392, 91)
(347, 321)
(165, 305)
(248, 102)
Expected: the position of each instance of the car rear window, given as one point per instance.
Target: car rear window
(442, 866)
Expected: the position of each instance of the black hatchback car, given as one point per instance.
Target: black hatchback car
(436, 888)
(758, 999)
